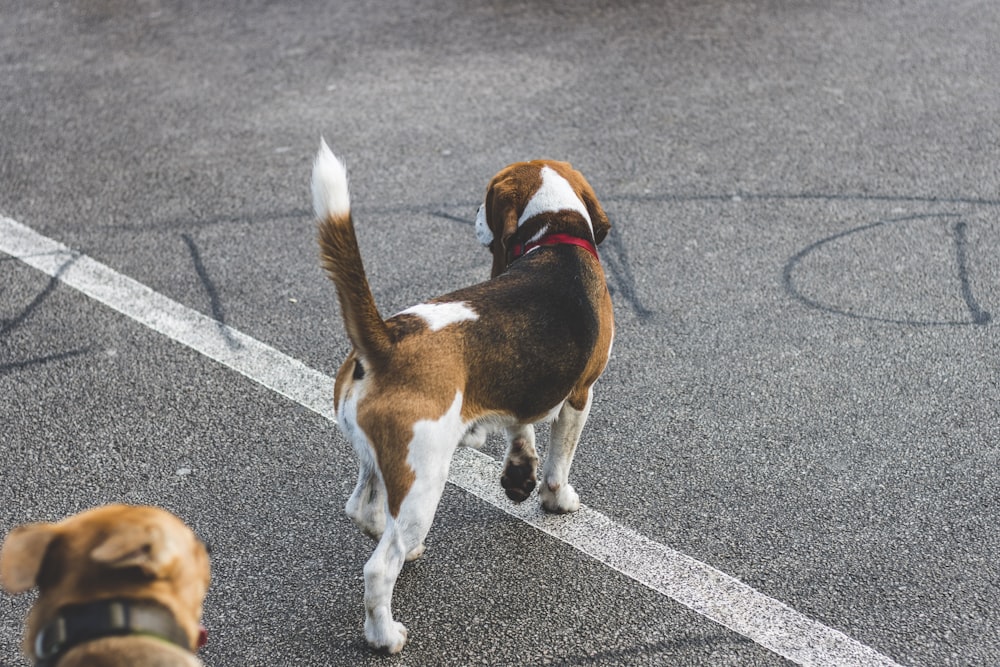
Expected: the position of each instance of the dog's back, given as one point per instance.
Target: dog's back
(551, 310)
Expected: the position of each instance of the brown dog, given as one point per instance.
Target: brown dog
(117, 585)
(524, 347)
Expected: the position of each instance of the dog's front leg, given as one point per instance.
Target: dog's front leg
(558, 495)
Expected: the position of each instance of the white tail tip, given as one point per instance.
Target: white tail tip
(329, 184)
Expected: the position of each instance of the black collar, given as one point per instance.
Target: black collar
(80, 623)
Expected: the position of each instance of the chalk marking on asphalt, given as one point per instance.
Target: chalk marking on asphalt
(700, 587)
(248, 356)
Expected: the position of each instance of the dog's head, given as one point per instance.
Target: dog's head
(114, 551)
(527, 200)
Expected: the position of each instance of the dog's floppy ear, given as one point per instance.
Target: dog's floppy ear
(21, 558)
(496, 222)
(146, 547)
(597, 215)
(505, 218)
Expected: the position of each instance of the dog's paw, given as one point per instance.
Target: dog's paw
(416, 553)
(518, 480)
(559, 500)
(388, 637)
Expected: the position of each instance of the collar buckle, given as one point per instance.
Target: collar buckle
(51, 638)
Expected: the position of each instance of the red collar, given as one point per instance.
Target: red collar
(522, 249)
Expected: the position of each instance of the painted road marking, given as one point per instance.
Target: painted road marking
(248, 356)
(700, 587)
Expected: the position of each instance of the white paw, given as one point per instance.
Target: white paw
(417, 552)
(561, 500)
(389, 637)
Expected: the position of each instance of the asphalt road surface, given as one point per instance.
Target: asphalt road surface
(793, 454)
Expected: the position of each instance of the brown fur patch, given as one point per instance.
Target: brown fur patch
(602, 348)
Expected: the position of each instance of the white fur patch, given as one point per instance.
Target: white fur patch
(330, 193)
(555, 194)
(439, 315)
(539, 234)
(483, 232)
(434, 441)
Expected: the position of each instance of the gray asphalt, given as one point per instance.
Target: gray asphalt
(803, 391)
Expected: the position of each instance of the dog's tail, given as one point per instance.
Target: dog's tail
(341, 258)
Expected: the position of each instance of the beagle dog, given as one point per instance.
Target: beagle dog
(117, 585)
(524, 347)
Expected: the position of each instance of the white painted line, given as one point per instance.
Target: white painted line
(248, 356)
(696, 585)
(700, 587)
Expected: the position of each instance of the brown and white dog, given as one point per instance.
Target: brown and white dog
(117, 585)
(521, 348)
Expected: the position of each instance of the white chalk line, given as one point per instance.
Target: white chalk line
(709, 592)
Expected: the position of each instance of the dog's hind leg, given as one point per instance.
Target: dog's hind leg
(557, 494)
(421, 483)
(402, 540)
(518, 479)
(366, 506)
(381, 571)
